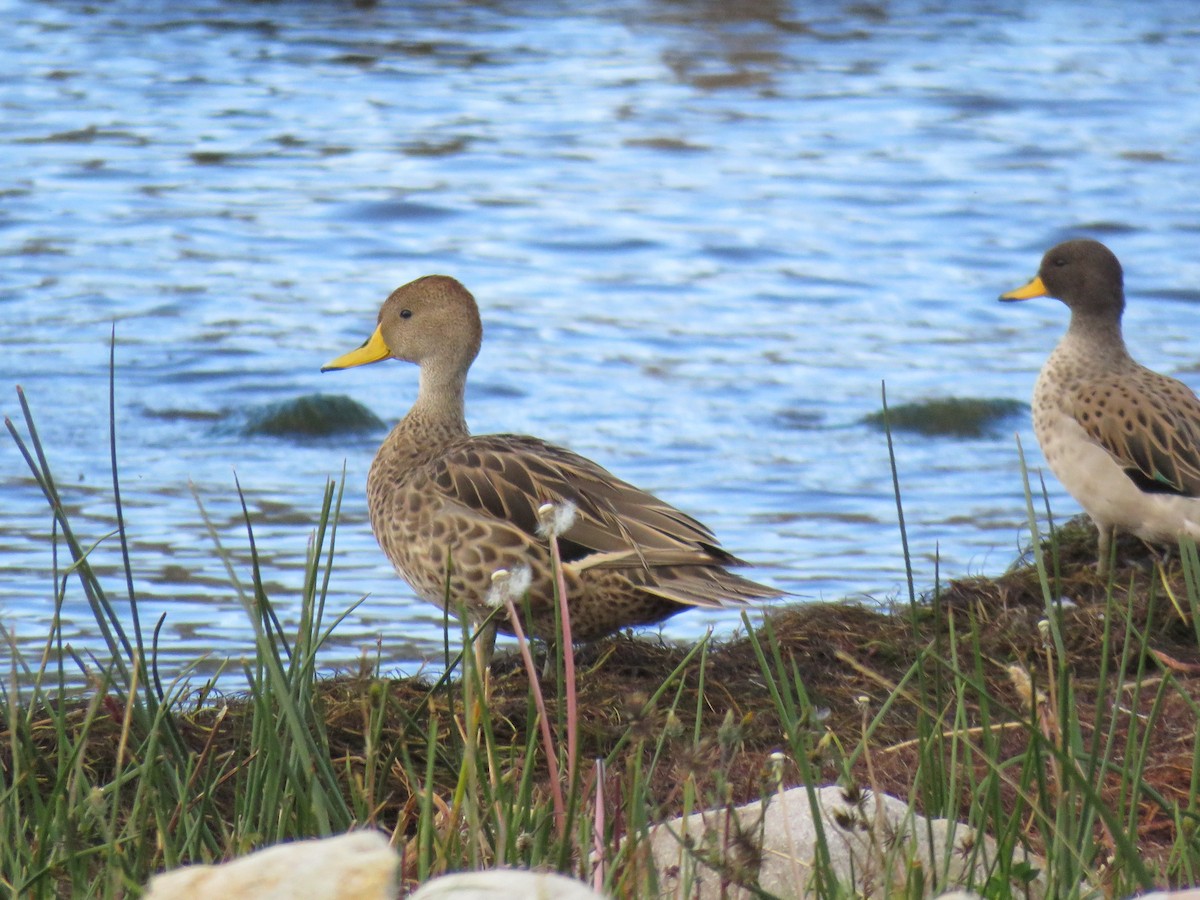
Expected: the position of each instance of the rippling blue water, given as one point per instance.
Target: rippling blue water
(701, 234)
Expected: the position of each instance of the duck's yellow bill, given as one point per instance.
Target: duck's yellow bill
(372, 351)
(1035, 288)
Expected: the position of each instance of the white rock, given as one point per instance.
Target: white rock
(877, 847)
(505, 884)
(356, 866)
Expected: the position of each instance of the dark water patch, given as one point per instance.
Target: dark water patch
(376, 56)
(965, 417)
(392, 211)
(455, 53)
(90, 135)
(1178, 295)
(505, 202)
(1146, 156)
(231, 158)
(499, 391)
(875, 13)
(185, 289)
(828, 36)
(313, 415)
(799, 419)
(262, 27)
(616, 245)
(96, 170)
(360, 60)
(274, 512)
(668, 144)
(1105, 227)
(975, 104)
(176, 575)
(210, 157)
(814, 279)
(37, 247)
(173, 414)
(791, 518)
(960, 214)
(629, 283)
(448, 147)
(726, 80)
(1027, 156)
(741, 254)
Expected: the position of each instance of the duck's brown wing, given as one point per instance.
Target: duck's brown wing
(510, 477)
(1150, 423)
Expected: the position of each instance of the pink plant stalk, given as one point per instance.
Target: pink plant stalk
(502, 591)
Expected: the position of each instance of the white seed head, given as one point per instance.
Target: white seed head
(509, 586)
(499, 592)
(556, 518)
(519, 583)
(1021, 682)
(777, 760)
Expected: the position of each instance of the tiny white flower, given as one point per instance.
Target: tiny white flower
(556, 518)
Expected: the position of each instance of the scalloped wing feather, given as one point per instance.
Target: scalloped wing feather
(510, 476)
(1150, 423)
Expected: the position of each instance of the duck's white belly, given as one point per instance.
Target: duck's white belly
(1098, 482)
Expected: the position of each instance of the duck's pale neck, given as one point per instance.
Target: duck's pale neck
(436, 418)
(1099, 336)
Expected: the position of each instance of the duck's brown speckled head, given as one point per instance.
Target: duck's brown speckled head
(432, 321)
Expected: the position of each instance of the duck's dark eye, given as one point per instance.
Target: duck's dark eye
(406, 313)
(1058, 262)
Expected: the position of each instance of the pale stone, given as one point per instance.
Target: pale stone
(505, 884)
(356, 866)
(877, 847)
(1186, 894)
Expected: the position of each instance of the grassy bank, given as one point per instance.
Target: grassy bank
(1055, 710)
